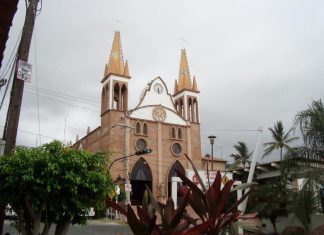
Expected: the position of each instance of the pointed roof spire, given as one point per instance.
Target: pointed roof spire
(116, 64)
(194, 84)
(184, 82)
(176, 89)
(184, 75)
(126, 71)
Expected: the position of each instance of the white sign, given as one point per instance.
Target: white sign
(128, 187)
(203, 175)
(24, 71)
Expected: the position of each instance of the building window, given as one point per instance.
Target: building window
(145, 129)
(138, 128)
(173, 133)
(179, 133)
(176, 149)
(141, 144)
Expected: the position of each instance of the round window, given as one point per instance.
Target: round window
(141, 144)
(176, 149)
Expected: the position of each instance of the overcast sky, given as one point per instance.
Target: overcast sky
(255, 62)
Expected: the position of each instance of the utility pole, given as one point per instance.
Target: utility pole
(11, 125)
(252, 166)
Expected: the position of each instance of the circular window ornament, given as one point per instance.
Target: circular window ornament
(140, 144)
(159, 113)
(176, 149)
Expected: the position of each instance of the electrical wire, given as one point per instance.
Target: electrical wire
(8, 83)
(11, 59)
(36, 134)
(56, 100)
(36, 78)
(62, 95)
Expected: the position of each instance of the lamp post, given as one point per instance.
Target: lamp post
(140, 152)
(212, 141)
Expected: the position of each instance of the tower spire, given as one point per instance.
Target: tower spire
(184, 75)
(116, 64)
(184, 82)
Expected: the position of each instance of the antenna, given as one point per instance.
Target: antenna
(183, 41)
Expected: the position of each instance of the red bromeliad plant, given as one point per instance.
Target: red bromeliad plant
(174, 222)
(208, 204)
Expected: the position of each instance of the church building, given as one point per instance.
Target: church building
(166, 122)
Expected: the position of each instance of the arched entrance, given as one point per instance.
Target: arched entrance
(172, 173)
(141, 175)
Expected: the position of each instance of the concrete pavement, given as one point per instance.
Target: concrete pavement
(94, 227)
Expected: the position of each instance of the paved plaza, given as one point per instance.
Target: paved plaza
(93, 228)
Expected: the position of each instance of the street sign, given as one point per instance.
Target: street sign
(24, 71)
(111, 193)
(128, 187)
(224, 179)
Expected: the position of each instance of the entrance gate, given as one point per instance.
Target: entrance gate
(141, 177)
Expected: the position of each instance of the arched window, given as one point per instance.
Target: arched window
(145, 131)
(173, 133)
(138, 128)
(181, 108)
(103, 99)
(179, 133)
(116, 103)
(123, 96)
(189, 110)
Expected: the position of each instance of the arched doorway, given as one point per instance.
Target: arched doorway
(141, 175)
(172, 173)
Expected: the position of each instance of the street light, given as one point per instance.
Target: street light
(212, 141)
(140, 152)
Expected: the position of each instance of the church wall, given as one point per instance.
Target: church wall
(152, 142)
(91, 141)
(195, 144)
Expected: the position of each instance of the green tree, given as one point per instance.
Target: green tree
(305, 203)
(271, 201)
(307, 159)
(52, 184)
(243, 155)
(281, 139)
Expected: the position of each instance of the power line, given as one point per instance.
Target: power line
(230, 130)
(36, 134)
(36, 78)
(60, 101)
(63, 95)
(11, 60)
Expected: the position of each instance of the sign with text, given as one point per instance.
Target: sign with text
(24, 71)
(203, 175)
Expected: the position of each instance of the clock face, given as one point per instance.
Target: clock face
(159, 114)
(158, 88)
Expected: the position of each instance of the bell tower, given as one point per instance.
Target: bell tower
(114, 94)
(186, 93)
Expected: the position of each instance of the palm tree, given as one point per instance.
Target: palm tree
(242, 156)
(271, 201)
(281, 139)
(311, 124)
(308, 159)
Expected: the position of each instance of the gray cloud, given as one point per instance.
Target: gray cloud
(255, 61)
